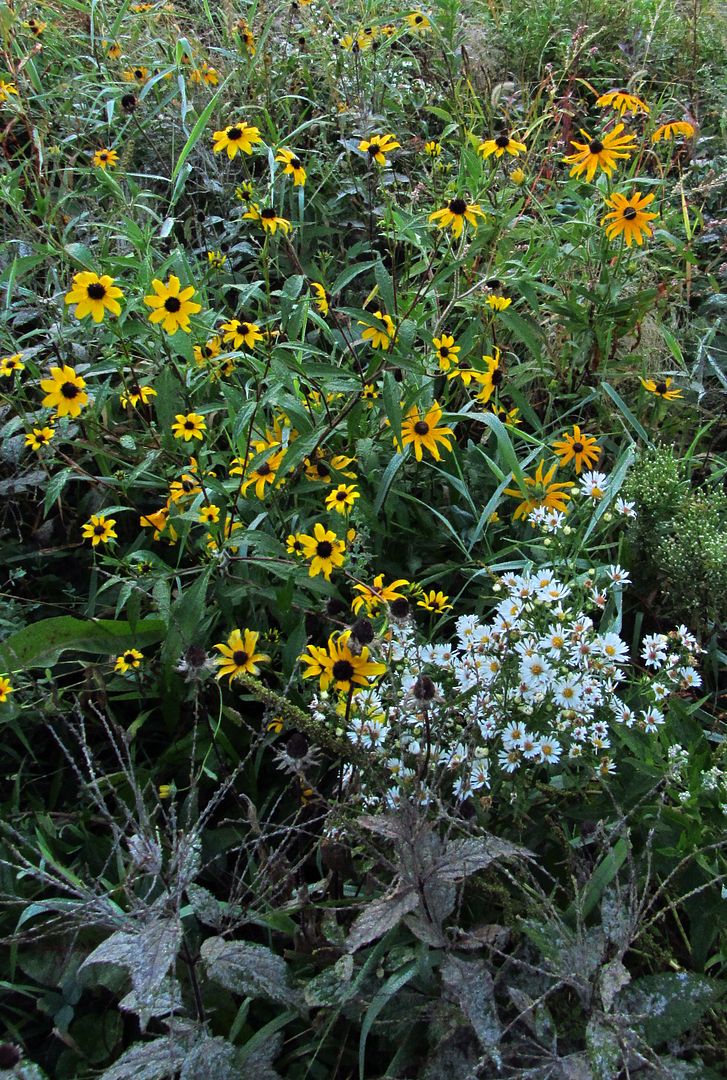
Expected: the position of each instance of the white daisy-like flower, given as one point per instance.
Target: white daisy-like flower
(509, 760)
(613, 648)
(618, 575)
(593, 485)
(626, 509)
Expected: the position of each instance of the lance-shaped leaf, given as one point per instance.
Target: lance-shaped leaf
(249, 969)
(381, 915)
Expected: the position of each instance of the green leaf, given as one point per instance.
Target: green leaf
(626, 413)
(198, 128)
(669, 1004)
(41, 643)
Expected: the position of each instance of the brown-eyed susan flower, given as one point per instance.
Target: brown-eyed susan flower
(159, 522)
(189, 426)
(432, 148)
(112, 49)
(318, 468)
(216, 259)
(39, 437)
(6, 688)
(464, 371)
(245, 193)
(246, 37)
(446, 351)
(94, 295)
(105, 158)
(240, 655)
(236, 137)
(137, 75)
(186, 487)
(505, 415)
(294, 544)
(370, 393)
(239, 332)
(622, 101)
(494, 377)
(128, 660)
(36, 26)
(435, 601)
(10, 364)
(498, 303)
(172, 305)
(99, 530)
(379, 336)
(324, 550)
(321, 297)
(268, 218)
(217, 543)
(418, 22)
(671, 130)
(454, 215)
(424, 432)
(373, 596)
(342, 498)
(338, 664)
(602, 152)
(577, 447)
(136, 394)
(205, 74)
(378, 146)
(540, 490)
(662, 388)
(265, 473)
(6, 90)
(64, 391)
(292, 166)
(629, 217)
(504, 143)
(204, 353)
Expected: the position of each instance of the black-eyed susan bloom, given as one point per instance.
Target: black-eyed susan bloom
(324, 550)
(240, 655)
(247, 38)
(6, 687)
(382, 333)
(268, 218)
(265, 473)
(342, 498)
(7, 90)
(446, 351)
(172, 305)
(129, 660)
(94, 296)
(672, 129)
(373, 596)
(189, 426)
(203, 354)
(292, 166)
(64, 391)
(662, 388)
(239, 332)
(10, 365)
(99, 530)
(577, 447)
(435, 601)
(39, 437)
(503, 143)
(138, 75)
(423, 431)
(540, 490)
(338, 664)
(112, 49)
(623, 102)
(378, 146)
(494, 377)
(208, 515)
(600, 152)
(321, 300)
(294, 544)
(454, 215)
(236, 137)
(136, 395)
(418, 22)
(629, 217)
(105, 158)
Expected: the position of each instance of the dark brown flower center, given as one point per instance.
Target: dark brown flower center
(322, 469)
(189, 425)
(578, 447)
(341, 496)
(496, 377)
(400, 607)
(129, 657)
(502, 141)
(342, 670)
(629, 213)
(457, 206)
(595, 146)
(661, 388)
(172, 304)
(265, 469)
(240, 657)
(374, 148)
(268, 214)
(96, 291)
(444, 352)
(99, 530)
(69, 390)
(296, 163)
(421, 428)
(324, 549)
(234, 133)
(138, 74)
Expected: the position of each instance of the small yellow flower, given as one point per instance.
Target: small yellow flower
(64, 391)
(454, 215)
(238, 332)
(667, 131)
(138, 75)
(105, 159)
(577, 447)
(446, 351)
(172, 305)
(418, 22)
(136, 394)
(600, 152)
(292, 166)
(246, 36)
(370, 393)
(268, 218)
(216, 259)
(39, 437)
(379, 337)
(623, 102)
(94, 296)
(518, 176)
(131, 659)
(324, 550)
(435, 601)
(342, 498)
(424, 432)
(206, 74)
(662, 389)
(112, 48)
(236, 137)
(189, 426)
(99, 530)
(10, 364)
(378, 146)
(276, 725)
(321, 297)
(294, 544)
(498, 303)
(164, 791)
(501, 144)
(5, 688)
(6, 89)
(432, 148)
(204, 353)
(35, 26)
(540, 490)
(239, 655)
(209, 514)
(629, 217)
(339, 665)
(373, 596)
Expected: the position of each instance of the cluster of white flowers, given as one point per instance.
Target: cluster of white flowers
(536, 684)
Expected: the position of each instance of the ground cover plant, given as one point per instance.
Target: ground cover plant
(364, 540)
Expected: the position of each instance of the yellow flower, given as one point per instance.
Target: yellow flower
(39, 437)
(94, 295)
(269, 220)
(622, 101)
(501, 144)
(35, 26)
(577, 447)
(495, 376)
(99, 530)
(378, 146)
(204, 353)
(206, 74)
(265, 472)
(113, 49)
(317, 468)
(236, 137)
(321, 301)
(138, 75)
(6, 89)
(418, 22)
(185, 488)
(294, 545)
(238, 332)
(172, 307)
(435, 601)
(136, 394)
(246, 36)
(424, 431)
(228, 530)
(432, 148)
(455, 214)
(498, 303)
(446, 351)
(216, 259)
(159, 522)
(337, 664)
(10, 364)
(540, 491)
(370, 393)
(324, 550)
(600, 152)
(630, 217)
(5, 688)
(464, 371)
(292, 166)
(667, 131)
(132, 658)
(106, 159)
(164, 791)
(379, 337)
(373, 596)
(505, 415)
(239, 655)
(517, 176)
(342, 498)
(662, 389)
(189, 426)
(64, 391)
